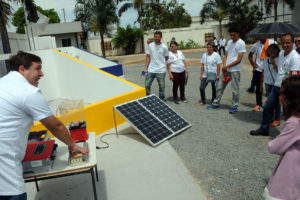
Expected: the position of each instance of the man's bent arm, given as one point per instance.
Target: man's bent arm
(58, 129)
(147, 62)
(239, 59)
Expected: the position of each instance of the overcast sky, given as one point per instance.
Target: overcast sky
(192, 6)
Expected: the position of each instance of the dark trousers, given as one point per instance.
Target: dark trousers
(257, 78)
(15, 197)
(271, 103)
(252, 86)
(178, 81)
(278, 107)
(203, 85)
(223, 50)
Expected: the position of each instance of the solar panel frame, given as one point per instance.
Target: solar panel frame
(120, 108)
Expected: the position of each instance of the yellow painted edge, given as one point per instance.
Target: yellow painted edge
(95, 68)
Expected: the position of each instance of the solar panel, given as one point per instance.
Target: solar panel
(152, 118)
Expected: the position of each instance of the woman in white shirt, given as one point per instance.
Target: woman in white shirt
(177, 70)
(210, 72)
(270, 71)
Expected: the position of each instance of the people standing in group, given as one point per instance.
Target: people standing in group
(177, 69)
(232, 65)
(270, 72)
(216, 44)
(210, 72)
(222, 44)
(285, 179)
(297, 42)
(288, 61)
(259, 48)
(157, 55)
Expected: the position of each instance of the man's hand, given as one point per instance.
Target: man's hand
(75, 148)
(145, 68)
(171, 76)
(218, 76)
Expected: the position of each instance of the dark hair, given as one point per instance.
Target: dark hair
(173, 42)
(158, 33)
(22, 58)
(211, 44)
(290, 91)
(234, 30)
(290, 34)
(274, 47)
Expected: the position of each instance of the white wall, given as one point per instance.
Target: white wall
(71, 36)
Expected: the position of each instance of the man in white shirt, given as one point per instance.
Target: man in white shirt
(216, 44)
(259, 48)
(21, 103)
(288, 60)
(156, 64)
(222, 43)
(297, 42)
(232, 65)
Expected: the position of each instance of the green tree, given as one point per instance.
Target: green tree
(5, 17)
(166, 15)
(103, 10)
(243, 16)
(127, 38)
(215, 9)
(273, 5)
(139, 5)
(18, 19)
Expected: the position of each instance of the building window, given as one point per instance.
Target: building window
(209, 37)
(66, 42)
(107, 46)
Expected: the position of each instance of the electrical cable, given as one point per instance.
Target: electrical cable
(106, 143)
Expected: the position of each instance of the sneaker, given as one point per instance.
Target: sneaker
(275, 123)
(259, 132)
(184, 100)
(176, 101)
(212, 106)
(256, 108)
(233, 110)
(250, 90)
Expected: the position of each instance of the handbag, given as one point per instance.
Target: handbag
(211, 76)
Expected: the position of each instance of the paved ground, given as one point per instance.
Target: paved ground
(217, 149)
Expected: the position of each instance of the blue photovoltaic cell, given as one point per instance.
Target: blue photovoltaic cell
(151, 128)
(164, 113)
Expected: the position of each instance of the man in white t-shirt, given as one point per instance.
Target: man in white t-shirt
(259, 48)
(297, 42)
(232, 65)
(288, 60)
(21, 103)
(222, 44)
(156, 64)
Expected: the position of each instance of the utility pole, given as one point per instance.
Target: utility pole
(63, 9)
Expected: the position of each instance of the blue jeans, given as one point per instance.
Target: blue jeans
(271, 103)
(15, 197)
(161, 83)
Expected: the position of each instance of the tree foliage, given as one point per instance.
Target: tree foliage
(18, 19)
(103, 10)
(273, 5)
(215, 9)
(165, 15)
(243, 16)
(127, 38)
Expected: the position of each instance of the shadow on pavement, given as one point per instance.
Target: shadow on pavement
(249, 116)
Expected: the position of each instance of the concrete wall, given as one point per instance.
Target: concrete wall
(296, 16)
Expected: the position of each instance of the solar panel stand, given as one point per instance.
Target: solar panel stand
(115, 121)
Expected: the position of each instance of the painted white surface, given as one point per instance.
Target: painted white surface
(130, 169)
(86, 57)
